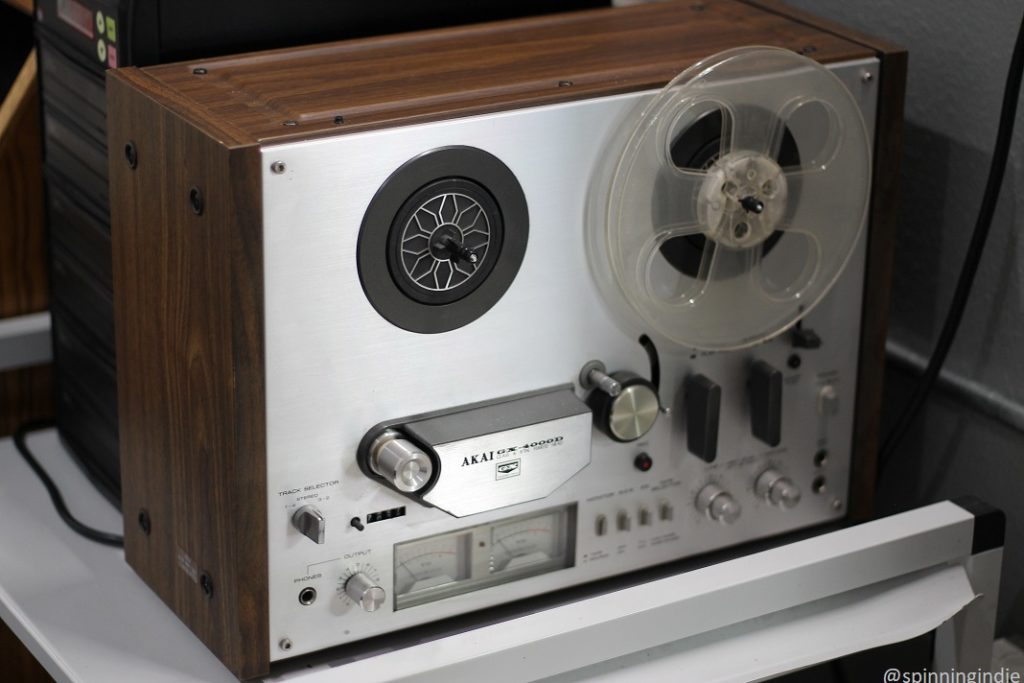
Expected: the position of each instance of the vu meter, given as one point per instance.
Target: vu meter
(527, 543)
(431, 564)
(485, 555)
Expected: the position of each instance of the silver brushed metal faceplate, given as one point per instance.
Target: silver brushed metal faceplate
(335, 368)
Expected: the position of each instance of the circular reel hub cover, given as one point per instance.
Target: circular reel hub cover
(773, 235)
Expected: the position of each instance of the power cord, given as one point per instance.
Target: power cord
(958, 305)
(104, 537)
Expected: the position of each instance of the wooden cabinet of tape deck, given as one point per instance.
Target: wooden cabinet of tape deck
(188, 253)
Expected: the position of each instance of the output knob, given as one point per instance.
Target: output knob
(365, 592)
(401, 462)
(625, 405)
(717, 504)
(777, 489)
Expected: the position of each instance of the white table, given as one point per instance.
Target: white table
(87, 617)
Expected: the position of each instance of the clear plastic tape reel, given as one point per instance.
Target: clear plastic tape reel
(737, 200)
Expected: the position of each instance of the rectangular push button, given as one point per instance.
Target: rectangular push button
(622, 521)
(666, 512)
(703, 399)
(766, 403)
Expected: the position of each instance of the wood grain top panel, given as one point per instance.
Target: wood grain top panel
(408, 78)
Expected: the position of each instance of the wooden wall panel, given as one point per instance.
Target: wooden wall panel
(23, 6)
(23, 278)
(16, 662)
(26, 392)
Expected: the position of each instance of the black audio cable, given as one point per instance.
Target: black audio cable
(78, 527)
(958, 305)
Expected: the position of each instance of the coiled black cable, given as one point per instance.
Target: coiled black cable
(78, 527)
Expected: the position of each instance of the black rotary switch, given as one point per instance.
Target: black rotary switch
(625, 405)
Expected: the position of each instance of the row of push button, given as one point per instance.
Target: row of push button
(623, 521)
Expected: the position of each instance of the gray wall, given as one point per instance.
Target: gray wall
(970, 440)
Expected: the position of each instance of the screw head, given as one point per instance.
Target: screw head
(195, 200)
(199, 71)
(794, 361)
(866, 76)
(290, 122)
(131, 154)
(144, 522)
(837, 504)
(285, 644)
(339, 119)
(278, 167)
(564, 84)
(206, 583)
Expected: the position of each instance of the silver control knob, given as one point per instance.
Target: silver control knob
(777, 489)
(365, 592)
(717, 504)
(310, 523)
(401, 462)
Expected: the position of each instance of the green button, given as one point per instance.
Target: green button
(111, 30)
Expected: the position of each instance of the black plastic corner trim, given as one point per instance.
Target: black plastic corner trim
(989, 524)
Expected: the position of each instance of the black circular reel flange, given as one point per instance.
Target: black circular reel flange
(443, 239)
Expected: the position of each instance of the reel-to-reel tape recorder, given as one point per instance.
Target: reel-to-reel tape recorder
(415, 326)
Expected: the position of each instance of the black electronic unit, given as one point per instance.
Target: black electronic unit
(78, 41)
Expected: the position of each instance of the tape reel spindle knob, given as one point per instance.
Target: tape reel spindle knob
(625, 405)
(401, 462)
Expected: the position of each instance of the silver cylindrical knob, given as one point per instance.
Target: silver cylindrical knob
(605, 383)
(365, 592)
(718, 504)
(777, 489)
(594, 376)
(401, 462)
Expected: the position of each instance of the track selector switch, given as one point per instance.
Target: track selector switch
(625, 405)
(766, 403)
(703, 399)
(308, 520)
